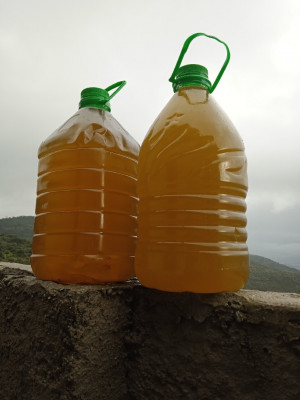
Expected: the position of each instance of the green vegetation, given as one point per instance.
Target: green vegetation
(265, 274)
(18, 226)
(268, 275)
(15, 239)
(14, 249)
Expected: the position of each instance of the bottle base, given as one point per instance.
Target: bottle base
(192, 272)
(79, 269)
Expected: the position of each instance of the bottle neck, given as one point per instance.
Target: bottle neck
(194, 94)
(195, 87)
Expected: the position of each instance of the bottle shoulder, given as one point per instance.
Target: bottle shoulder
(88, 128)
(194, 113)
(192, 148)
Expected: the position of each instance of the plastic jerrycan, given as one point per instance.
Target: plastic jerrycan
(86, 208)
(192, 185)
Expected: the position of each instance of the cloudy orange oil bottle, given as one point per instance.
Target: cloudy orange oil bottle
(192, 185)
(86, 207)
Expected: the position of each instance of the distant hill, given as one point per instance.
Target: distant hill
(267, 262)
(268, 275)
(265, 274)
(18, 226)
(15, 239)
(14, 249)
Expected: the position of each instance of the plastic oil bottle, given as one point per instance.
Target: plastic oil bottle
(86, 208)
(192, 185)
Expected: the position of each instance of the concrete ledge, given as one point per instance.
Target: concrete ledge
(124, 341)
(243, 345)
(62, 342)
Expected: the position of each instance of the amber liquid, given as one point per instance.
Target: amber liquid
(86, 209)
(192, 184)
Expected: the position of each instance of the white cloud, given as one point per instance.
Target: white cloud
(284, 201)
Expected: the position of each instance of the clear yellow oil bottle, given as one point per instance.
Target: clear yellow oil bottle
(86, 208)
(192, 185)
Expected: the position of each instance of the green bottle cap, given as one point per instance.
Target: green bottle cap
(194, 74)
(94, 97)
(191, 75)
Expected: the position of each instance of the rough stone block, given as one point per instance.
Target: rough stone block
(235, 346)
(62, 341)
(126, 342)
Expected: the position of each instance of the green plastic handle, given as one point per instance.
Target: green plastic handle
(119, 85)
(184, 50)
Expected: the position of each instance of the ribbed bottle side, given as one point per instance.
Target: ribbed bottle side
(77, 198)
(196, 222)
(86, 210)
(192, 185)
(198, 206)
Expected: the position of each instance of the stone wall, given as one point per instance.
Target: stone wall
(126, 342)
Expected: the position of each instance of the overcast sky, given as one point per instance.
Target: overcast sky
(51, 50)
